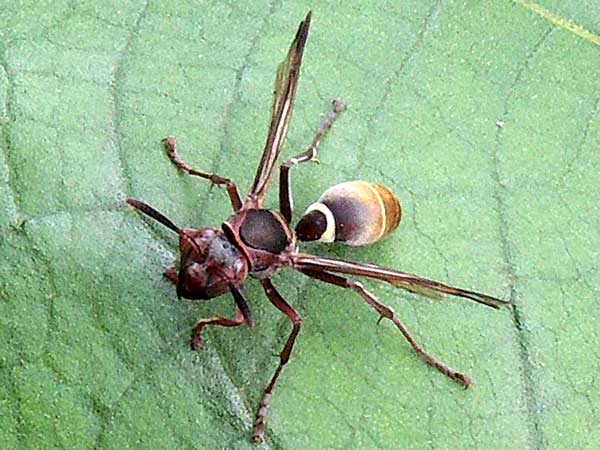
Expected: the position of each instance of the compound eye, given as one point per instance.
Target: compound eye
(193, 281)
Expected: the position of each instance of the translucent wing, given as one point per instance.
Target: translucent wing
(286, 83)
(402, 280)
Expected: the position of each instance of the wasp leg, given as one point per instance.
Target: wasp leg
(388, 313)
(197, 339)
(171, 274)
(280, 303)
(285, 189)
(232, 190)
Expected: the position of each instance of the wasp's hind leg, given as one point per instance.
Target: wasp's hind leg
(285, 188)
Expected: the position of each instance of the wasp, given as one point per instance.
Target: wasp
(257, 242)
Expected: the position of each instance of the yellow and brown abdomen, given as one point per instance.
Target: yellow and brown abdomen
(355, 213)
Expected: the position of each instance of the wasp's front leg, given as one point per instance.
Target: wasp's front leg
(197, 339)
(232, 190)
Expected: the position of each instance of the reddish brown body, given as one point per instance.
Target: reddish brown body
(265, 239)
(257, 242)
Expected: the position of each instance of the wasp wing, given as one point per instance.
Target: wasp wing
(286, 83)
(412, 283)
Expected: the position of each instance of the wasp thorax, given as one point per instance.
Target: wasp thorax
(354, 212)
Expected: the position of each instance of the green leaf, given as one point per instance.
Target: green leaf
(483, 118)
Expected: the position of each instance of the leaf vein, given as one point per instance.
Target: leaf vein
(536, 435)
(560, 22)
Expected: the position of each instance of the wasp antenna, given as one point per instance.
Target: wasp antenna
(151, 212)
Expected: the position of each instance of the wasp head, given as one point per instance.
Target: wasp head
(210, 264)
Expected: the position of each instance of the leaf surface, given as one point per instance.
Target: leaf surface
(484, 119)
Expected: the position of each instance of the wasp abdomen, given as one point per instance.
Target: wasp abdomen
(354, 212)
